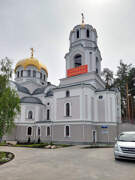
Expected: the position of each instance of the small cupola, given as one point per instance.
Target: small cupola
(31, 69)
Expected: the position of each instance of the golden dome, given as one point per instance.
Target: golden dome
(31, 61)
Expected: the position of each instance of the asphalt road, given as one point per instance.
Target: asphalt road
(72, 163)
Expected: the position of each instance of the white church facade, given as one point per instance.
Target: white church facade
(78, 111)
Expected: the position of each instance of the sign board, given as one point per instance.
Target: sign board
(104, 126)
(78, 70)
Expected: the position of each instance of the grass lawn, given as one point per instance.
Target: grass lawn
(41, 145)
(5, 157)
(3, 144)
(35, 145)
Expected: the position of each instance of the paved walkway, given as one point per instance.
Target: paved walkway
(72, 163)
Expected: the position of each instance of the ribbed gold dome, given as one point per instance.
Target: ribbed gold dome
(31, 62)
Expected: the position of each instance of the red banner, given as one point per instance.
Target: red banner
(78, 70)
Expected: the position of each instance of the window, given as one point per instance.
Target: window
(30, 115)
(17, 73)
(29, 131)
(67, 109)
(22, 73)
(88, 33)
(78, 60)
(38, 131)
(44, 77)
(34, 73)
(29, 73)
(100, 97)
(67, 133)
(40, 75)
(97, 64)
(48, 114)
(67, 93)
(48, 131)
(77, 34)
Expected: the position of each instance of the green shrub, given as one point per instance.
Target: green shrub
(40, 145)
(3, 144)
(5, 157)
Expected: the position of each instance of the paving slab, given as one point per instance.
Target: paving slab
(71, 163)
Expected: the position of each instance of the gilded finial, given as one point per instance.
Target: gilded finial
(32, 51)
(82, 19)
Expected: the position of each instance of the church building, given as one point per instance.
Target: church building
(78, 111)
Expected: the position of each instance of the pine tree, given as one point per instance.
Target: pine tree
(108, 77)
(123, 82)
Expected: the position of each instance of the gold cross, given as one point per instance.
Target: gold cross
(32, 51)
(82, 18)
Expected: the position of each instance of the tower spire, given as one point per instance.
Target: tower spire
(32, 52)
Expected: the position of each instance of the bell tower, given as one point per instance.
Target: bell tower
(83, 50)
(84, 55)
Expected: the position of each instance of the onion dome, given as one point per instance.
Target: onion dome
(31, 62)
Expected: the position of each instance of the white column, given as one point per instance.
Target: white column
(82, 104)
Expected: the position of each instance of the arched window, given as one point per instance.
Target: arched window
(29, 131)
(40, 75)
(21, 73)
(30, 115)
(88, 33)
(38, 131)
(97, 64)
(44, 77)
(67, 133)
(78, 60)
(29, 73)
(67, 109)
(100, 97)
(77, 34)
(48, 131)
(67, 93)
(34, 73)
(48, 114)
(17, 73)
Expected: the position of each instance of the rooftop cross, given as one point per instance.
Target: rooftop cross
(32, 51)
(82, 18)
